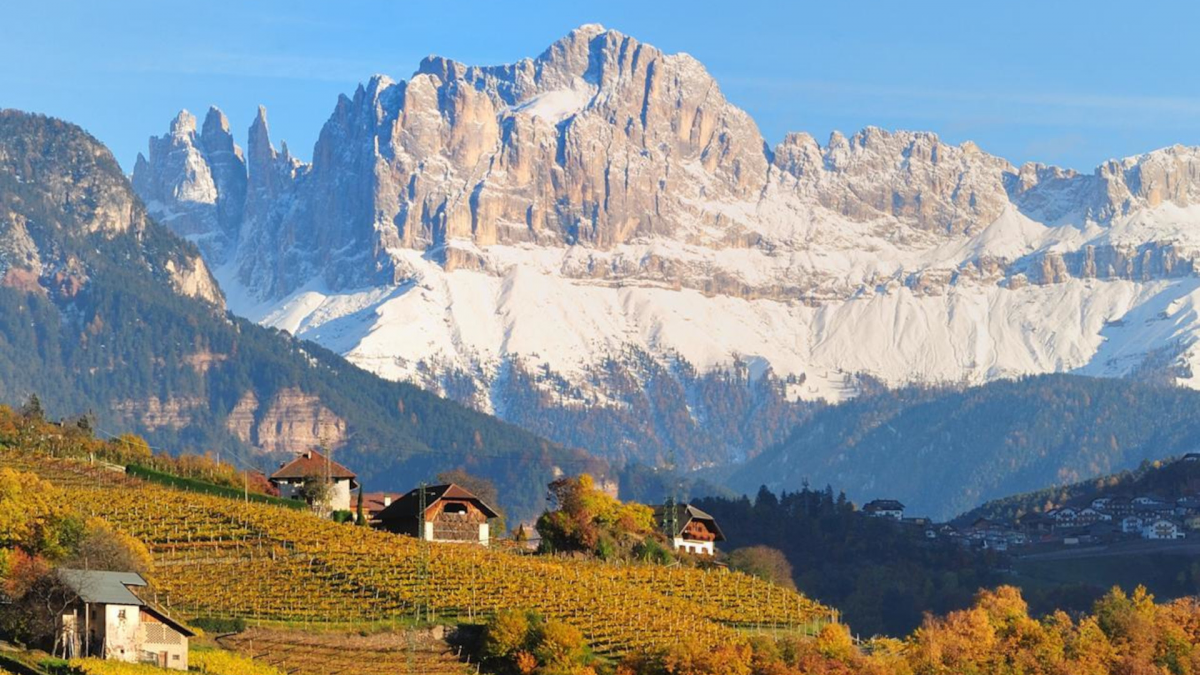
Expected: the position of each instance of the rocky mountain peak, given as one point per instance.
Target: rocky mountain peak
(259, 148)
(215, 123)
(184, 124)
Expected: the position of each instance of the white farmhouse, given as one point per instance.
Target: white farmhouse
(311, 465)
(109, 621)
(885, 508)
(1131, 524)
(1161, 528)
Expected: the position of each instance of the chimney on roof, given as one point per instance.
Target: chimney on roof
(387, 500)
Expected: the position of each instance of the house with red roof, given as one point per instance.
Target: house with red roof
(310, 466)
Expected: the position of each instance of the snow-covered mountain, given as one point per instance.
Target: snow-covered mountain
(594, 221)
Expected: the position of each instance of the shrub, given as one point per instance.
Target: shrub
(212, 624)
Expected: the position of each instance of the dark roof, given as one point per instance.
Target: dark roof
(312, 463)
(686, 513)
(883, 505)
(409, 505)
(106, 588)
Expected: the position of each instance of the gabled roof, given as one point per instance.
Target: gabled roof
(409, 506)
(312, 463)
(883, 505)
(113, 588)
(686, 513)
(106, 588)
(180, 628)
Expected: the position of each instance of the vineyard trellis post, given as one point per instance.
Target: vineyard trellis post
(422, 553)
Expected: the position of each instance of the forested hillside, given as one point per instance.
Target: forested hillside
(654, 413)
(882, 574)
(944, 451)
(105, 312)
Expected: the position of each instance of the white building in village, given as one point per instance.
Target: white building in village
(109, 621)
(885, 508)
(1161, 528)
(312, 465)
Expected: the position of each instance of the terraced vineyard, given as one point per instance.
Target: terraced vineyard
(316, 653)
(222, 557)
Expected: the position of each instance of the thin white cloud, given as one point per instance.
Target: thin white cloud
(1096, 102)
(267, 66)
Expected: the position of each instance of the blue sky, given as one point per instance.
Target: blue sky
(1069, 83)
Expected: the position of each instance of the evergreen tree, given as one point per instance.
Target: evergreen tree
(360, 516)
(32, 409)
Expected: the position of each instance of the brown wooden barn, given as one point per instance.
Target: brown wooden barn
(452, 514)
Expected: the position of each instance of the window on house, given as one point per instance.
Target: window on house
(120, 615)
(174, 657)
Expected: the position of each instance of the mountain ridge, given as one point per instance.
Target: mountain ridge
(603, 199)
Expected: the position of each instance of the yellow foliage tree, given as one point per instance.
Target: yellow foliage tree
(34, 515)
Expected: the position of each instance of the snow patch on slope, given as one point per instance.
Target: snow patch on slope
(559, 104)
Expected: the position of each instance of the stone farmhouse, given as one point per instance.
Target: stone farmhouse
(108, 620)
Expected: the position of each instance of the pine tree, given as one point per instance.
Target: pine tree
(360, 517)
(33, 408)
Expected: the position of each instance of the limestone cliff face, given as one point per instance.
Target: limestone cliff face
(155, 413)
(196, 183)
(634, 168)
(599, 141)
(292, 421)
(914, 178)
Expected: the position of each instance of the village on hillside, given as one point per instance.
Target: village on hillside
(1102, 521)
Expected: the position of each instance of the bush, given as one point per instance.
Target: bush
(652, 550)
(213, 624)
(522, 642)
(764, 562)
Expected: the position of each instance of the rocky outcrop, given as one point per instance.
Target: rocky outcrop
(196, 183)
(605, 148)
(914, 178)
(156, 413)
(292, 421)
(599, 141)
